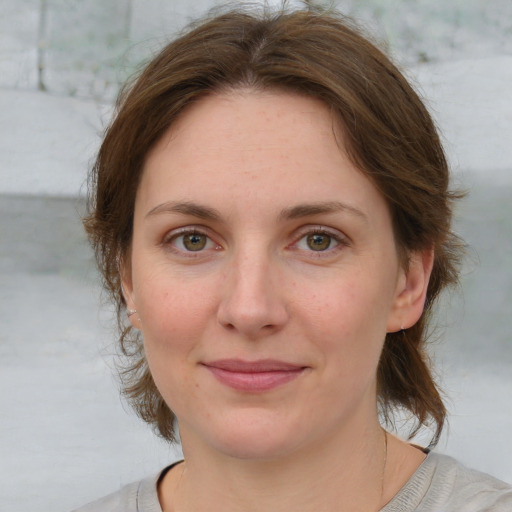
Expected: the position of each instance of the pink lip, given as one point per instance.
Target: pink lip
(253, 376)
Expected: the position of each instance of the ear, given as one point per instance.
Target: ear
(411, 291)
(125, 271)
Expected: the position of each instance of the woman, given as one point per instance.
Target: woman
(270, 210)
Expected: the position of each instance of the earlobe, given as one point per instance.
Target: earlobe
(128, 294)
(411, 291)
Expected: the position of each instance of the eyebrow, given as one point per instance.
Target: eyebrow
(293, 212)
(309, 209)
(186, 208)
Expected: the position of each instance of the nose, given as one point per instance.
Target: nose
(252, 301)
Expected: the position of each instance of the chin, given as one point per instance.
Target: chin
(262, 448)
(251, 437)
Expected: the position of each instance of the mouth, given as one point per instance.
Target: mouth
(253, 376)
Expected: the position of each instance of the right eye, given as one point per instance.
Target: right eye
(190, 241)
(193, 241)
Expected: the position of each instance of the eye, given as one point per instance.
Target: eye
(194, 241)
(319, 240)
(190, 241)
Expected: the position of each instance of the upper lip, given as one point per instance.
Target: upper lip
(262, 365)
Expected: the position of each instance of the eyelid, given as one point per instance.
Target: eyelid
(173, 234)
(319, 228)
(185, 230)
(340, 237)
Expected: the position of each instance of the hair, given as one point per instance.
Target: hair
(388, 134)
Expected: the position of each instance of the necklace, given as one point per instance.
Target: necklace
(383, 467)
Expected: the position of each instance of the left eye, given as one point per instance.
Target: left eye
(317, 242)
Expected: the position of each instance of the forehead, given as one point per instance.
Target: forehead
(245, 118)
(273, 146)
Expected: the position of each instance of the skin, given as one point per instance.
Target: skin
(297, 263)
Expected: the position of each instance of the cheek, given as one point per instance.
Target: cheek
(173, 314)
(348, 321)
(174, 320)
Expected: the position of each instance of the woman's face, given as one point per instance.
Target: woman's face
(264, 274)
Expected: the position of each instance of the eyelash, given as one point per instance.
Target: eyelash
(340, 241)
(171, 238)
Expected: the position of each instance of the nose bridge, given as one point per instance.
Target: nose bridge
(252, 277)
(252, 302)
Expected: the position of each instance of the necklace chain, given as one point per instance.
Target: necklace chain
(384, 465)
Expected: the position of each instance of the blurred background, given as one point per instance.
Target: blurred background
(65, 435)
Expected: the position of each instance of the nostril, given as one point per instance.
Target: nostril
(228, 326)
(251, 308)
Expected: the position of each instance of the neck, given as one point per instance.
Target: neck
(347, 473)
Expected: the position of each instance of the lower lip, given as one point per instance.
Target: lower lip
(254, 382)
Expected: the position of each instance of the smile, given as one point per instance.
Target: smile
(255, 376)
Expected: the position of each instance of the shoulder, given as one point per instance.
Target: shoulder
(123, 500)
(469, 489)
(443, 484)
(141, 496)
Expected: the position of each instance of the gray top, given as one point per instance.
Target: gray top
(440, 484)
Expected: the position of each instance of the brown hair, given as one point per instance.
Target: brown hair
(389, 135)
